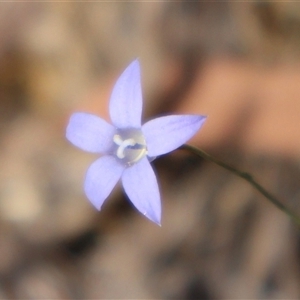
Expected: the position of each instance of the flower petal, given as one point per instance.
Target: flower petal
(140, 185)
(90, 133)
(168, 133)
(101, 177)
(126, 100)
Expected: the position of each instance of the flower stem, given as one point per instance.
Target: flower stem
(248, 177)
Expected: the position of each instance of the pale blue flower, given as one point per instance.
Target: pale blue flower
(127, 146)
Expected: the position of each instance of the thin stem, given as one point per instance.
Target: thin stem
(248, 177)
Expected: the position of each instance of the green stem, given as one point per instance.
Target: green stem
(248, 177)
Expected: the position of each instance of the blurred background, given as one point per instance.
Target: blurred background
(239, 63)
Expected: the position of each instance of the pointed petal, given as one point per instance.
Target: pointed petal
(101, 177)
(90, 133)
(126, 100)
(140, 185)
(168, 133)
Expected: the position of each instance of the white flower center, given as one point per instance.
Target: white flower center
(129, 146)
